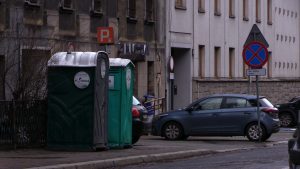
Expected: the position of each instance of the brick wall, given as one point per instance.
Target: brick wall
(277, 91)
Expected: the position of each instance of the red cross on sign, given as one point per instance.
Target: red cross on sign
(105, 35)
(255, 54)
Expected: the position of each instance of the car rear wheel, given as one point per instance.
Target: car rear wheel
(252, 132)
(286, 119)
(172, 131)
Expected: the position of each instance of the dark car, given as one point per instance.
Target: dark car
(137, 120)
(288, 112)
(294, 151)
(219, 115)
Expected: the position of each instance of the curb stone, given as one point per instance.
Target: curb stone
(131, 160)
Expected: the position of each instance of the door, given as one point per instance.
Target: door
(182, 77)
(233, 115)
(204, 117)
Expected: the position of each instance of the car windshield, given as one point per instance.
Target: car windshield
(135, 101)
(294, 99)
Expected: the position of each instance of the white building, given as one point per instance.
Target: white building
(206, 40)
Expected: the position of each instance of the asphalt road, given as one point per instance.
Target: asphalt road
(275, 157)
(154, 149)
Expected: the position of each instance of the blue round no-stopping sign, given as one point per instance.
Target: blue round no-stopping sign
(255, 54)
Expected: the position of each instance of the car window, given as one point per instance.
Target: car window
(209, 104)
(252, 103)
(263, 102)
(235, 102)
(135, 101)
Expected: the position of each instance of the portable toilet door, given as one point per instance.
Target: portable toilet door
(101, 100)
(77, 100)
(121, 78)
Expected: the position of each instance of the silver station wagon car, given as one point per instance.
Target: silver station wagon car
(220, 115)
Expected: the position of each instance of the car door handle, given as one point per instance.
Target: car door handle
(248, 113)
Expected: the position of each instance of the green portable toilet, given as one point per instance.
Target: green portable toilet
(121, 77)
(77, 101)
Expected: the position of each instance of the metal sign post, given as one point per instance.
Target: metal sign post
(257, 109)
(298, 134)
(171, 67)
(255, 55)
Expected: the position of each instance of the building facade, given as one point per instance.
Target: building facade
(140, 40)
(32, 30)
(206, 40)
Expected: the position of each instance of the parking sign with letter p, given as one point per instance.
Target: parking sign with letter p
(105, 35)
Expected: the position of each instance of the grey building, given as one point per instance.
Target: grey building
(32, 30)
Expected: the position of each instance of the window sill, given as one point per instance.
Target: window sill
(149, 22)
(245, 19)
(232, 16)
(66, 10)
(131, 20)
(201, 11)
(96, 13)
(180, 7)
(258, 21)
(70, 33)
(270, 23)
(31, 5)
(217, 13)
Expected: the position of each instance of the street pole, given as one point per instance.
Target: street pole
(171, 66)
(298, 134)
(172, 94)
(249, 84)
(257, 109)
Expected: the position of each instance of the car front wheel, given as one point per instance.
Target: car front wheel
(172, 131)
(253, 133)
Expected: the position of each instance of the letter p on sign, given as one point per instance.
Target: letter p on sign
(105, 35)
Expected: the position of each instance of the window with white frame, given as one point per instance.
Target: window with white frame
(269, 65)
(180, 4)
(149, 12)
(269, 11)
(231, 62)
(132, 8)
(97, 6)
(201, 6)
(201, 69)
(231, 8)
(217, 60)
(245, 10)
(258, 11)
(245, 67)
(217, 6)
(67, 4)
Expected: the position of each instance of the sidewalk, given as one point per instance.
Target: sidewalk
(147, 149)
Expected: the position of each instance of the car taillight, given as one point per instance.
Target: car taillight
(273, 112)
(135, 112)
